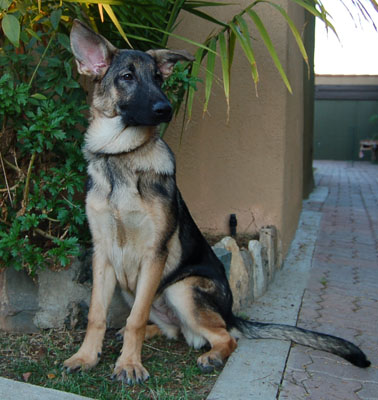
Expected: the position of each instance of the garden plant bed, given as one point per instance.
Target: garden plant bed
(37, 359)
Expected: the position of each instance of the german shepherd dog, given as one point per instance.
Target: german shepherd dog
(144, 237)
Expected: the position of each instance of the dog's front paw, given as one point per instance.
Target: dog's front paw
(130, 373)
(81, 361)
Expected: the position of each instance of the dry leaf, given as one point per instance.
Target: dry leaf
(51, 376)
(26, 376)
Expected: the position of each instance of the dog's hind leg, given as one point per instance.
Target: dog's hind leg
(152, 330)
(213, 328)
(160, 320)
(200, 323)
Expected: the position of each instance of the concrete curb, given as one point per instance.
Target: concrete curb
(254, 370)
(13, 390)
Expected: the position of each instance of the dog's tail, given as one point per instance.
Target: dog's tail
(319, 341)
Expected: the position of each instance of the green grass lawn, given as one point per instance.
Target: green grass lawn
(38, 359)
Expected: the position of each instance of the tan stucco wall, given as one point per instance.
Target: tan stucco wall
(251, 166)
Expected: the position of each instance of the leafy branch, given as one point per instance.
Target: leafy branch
(42, 218)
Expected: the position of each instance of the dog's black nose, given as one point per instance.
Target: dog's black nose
(162, 110)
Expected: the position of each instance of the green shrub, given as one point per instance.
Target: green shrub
(42, 170)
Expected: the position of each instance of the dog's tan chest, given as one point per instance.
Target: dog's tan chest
(121, 227)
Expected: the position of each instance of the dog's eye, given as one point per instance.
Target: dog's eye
(127, 77)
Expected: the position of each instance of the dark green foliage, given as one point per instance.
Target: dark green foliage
(177, 87)
(42, 171)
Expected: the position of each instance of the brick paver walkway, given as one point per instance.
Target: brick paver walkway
(342, 293)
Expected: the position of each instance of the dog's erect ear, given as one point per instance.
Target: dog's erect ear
(166, 59)
(93, 52)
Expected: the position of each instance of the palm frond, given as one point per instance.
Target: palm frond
(210, 72)
(269, 45)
